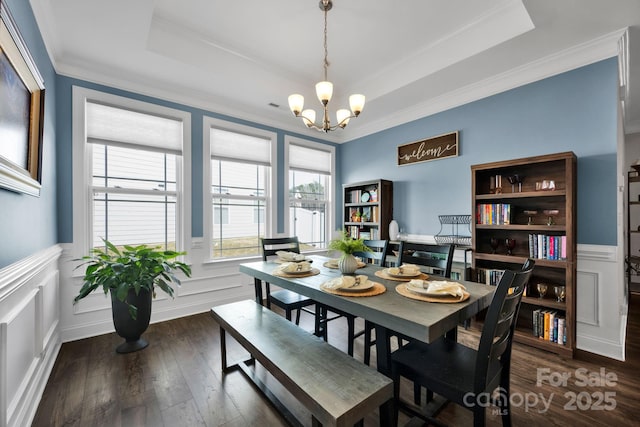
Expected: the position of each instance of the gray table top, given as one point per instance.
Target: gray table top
(425, 321)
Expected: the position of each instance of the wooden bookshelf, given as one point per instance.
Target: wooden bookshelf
(542, 205)
(368, 209)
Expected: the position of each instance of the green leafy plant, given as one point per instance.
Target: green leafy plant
(348, 245)
(134, 267)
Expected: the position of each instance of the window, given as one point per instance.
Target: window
(240, 188)
(132, 192)
(310, 191)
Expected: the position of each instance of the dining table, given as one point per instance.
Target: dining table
(389, 311)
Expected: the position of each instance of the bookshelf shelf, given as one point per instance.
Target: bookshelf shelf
(505, 213)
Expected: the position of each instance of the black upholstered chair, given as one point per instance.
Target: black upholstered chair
(285, 299)
(462, 374)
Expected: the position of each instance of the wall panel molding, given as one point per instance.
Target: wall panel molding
(29, 335)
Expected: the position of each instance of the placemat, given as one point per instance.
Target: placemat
(376, 290)
(402, 290)
(381, 274)
(328, 264)
(281, 273)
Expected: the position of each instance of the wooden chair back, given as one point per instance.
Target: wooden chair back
(272, 245)
(378, 254)
(439, 257)
(499, 326)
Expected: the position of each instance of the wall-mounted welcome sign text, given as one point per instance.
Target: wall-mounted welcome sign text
(424, 150)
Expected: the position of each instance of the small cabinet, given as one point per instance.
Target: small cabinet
(368, 209)
(526, 208)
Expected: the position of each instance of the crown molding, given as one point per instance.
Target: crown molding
(569, 59)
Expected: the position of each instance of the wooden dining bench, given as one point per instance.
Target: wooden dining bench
(337, 389)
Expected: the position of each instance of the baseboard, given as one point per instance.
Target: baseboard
(102, 327)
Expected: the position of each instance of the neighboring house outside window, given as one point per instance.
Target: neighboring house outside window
(310, 169)
(135, 190)
(240, 175)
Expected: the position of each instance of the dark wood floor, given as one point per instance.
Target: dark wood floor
(177, 382)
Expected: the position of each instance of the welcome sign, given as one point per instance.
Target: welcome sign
(438, 147)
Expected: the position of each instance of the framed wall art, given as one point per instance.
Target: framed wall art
(21, 111)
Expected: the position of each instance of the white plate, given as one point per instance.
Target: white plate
(297, 272)
(402, 276)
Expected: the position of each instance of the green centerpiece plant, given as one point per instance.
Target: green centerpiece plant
(131, 275)
(348, 263)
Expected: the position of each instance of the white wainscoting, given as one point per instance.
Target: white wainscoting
(601, 305)
(29, 333)
(211, 284)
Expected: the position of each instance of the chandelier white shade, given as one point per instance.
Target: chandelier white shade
(324, 91)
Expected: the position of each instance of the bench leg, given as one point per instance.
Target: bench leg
(315, 422)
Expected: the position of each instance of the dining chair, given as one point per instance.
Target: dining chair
(439, 257)
(283, 298)
(462, 374)
(378, 254)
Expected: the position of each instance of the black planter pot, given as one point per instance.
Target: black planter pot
(128, 328)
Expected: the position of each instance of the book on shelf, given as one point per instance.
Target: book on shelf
(551, 247)
(374, 214)
(494, 213)
(549, 325)
(354, 196)
(489, 276)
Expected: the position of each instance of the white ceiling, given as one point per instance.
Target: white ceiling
(410, 58)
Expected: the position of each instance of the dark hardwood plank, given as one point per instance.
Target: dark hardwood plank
(177, 381)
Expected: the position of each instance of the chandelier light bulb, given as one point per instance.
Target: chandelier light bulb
(343, 115)
(356, 102)
(296, 102)
(324, 90)
(309, 117)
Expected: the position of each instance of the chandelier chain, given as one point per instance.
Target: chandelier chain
(326, 51)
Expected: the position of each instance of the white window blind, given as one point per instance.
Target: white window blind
(118, 126)
(239, 147)
(307, 159)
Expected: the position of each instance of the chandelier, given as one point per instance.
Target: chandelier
(324, 91)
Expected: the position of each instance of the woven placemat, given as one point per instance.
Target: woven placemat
(402, 290)
(376, 290)
(281, 273)
(381, 274)
(329, 264)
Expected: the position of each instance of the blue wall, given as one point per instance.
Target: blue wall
(27, 223)
(574, 111)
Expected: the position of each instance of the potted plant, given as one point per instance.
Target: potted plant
(348, 263)
(131, 275)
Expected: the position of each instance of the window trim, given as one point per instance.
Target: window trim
(271, 211)
(330, 214)
(81, 166)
